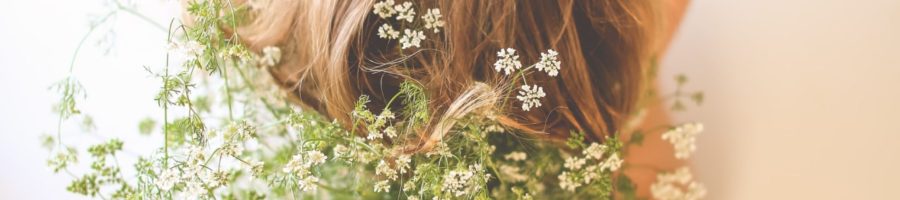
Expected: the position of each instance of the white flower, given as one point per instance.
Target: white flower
(340, 150)
(385, 170)
(316, 157)
(195, 190)
(382, 186)
(549, 63)
(668, 186)
(216, 178)
(516, 156)
(387, 31)
(295, 165)
(374, 134)
(411, 38)
(465, 181)
(271, 56)
(403, 163)
(512, 173)
(384, 9)
(390, 131)
(307, 184)
(568, 182)
(405, 12)
(683, 138)
(231, 149)
(167, 179)
(612, 163)
(433, 20)
(457, 182)
(595, 151)
(531, 96)
(256, 167)
(508, 61)
(574, 163)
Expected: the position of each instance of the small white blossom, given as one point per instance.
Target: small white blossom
(411, 38)
(295, 164)
(194, 190)
(595, 151)
(403, 163)
(574, 163)
(385, 170)
(189, 51)
(683, 138)
(382, 186)
(316, 157)
(508, 61)
(405, 12)
(531, 96)
(612, 163)
(231, 149)
(386, 31)
(512, 173)
(256, 167)
(549, 63)
(384, 9)
(668, 186)
(271, 56)
(464, 181)
(433, 20)
(167, 179)
(568, 182)
(308, 184)
(516, 156)
(390, 132)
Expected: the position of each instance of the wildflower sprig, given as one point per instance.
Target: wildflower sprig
(263, 148)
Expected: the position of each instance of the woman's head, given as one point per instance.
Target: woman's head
(332, 55)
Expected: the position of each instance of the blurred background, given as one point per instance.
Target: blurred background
(803, 96)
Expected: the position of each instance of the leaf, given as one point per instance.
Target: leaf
(636, 138)
(697, 97)
(625, 186)
(681, 79)
(145, 127)
(678, 106)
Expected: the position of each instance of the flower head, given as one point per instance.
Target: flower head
(384, 9)
(386, 31)
(271, 56)
(508, 62)
(433, 20)
(683, 138)
(549, 63)
(405, 12)
(316, 157)
(530, 96)
(677, 185)
(516, 156)
(411, 38)
(167, 179)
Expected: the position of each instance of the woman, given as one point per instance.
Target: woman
(332, 53)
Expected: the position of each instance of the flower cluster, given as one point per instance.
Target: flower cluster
(677, 185)
(683, 138)
(405, 14)
(530, 95)
(597, 161)
(300, 165)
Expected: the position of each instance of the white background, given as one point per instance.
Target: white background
(802, 96)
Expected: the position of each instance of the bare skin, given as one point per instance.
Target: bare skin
(655, 154)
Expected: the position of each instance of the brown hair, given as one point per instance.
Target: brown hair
(331, 56)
